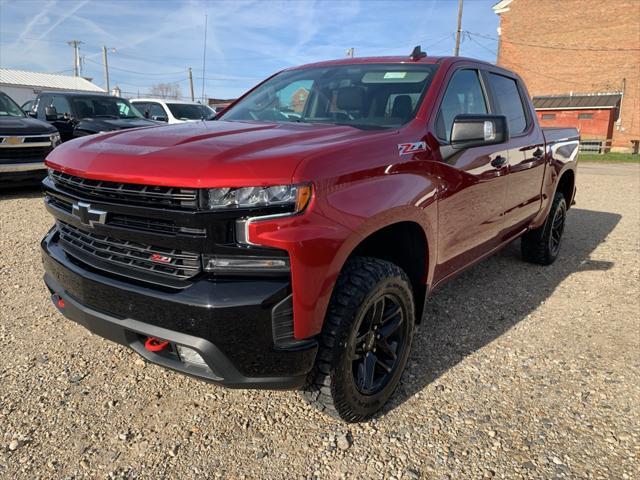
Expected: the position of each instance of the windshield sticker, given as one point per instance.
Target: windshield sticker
(409, 148)
(395, 74)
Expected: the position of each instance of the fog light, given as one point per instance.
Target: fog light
(190, 356)
(244, 264)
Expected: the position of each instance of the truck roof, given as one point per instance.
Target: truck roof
(388, 59)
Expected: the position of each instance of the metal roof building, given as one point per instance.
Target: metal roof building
(22, 85)
(573, 102)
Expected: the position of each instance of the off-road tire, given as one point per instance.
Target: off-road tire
(537, 245)
(331, 386)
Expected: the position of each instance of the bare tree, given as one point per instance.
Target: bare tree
(166, 90)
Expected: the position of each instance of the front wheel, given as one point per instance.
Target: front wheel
(365, 341)
(542, 245)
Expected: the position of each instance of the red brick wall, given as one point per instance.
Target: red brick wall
(599, 127)
(578, 25)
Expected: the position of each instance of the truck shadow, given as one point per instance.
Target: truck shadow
(12, 192)
(486, 301)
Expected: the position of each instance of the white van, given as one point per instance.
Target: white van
(172, 111)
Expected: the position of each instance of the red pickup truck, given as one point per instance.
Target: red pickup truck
(294, 242)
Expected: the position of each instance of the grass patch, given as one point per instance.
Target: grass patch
(609, 158)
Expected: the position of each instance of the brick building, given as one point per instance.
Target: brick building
(577, 54)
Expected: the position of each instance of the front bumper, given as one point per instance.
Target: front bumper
(228, 322)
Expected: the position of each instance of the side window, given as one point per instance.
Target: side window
(156, 110)
(509, 102)
(464, 95)
(61, 105)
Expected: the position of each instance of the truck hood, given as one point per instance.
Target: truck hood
(93, 124)
(202, 154)
(24, 126)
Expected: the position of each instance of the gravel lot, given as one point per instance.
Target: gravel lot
(518, 371)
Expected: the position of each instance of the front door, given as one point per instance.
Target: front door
(472, 199)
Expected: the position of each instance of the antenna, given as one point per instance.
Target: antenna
(417, 53)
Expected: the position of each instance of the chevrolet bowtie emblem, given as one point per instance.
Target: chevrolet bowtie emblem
(88, 215)
(13, 140)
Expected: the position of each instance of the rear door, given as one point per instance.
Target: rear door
(525, 152)
(472, 201)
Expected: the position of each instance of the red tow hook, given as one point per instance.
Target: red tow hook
(58, 301)
(154, 344)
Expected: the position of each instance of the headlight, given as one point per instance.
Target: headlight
(54, 138)
(296, 196)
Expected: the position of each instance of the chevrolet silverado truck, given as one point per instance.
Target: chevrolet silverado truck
(294, 242)
(24, 144)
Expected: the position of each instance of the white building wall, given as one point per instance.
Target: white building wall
(19, 94)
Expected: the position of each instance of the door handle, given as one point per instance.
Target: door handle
(499, 161)
(539, 153)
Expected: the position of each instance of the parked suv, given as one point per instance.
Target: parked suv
(294, 242)
(172, 111)
(24, 144)
(79, 114)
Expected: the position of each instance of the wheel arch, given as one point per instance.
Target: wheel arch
(566, 185)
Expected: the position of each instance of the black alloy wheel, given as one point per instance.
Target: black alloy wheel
(378, 344)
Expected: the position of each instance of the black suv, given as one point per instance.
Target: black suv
(79, 114)
(24, 144)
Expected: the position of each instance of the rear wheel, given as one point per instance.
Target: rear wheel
(365, 342)
(542, 245)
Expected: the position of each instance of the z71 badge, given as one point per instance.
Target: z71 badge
(409, 148)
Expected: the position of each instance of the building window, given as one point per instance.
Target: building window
(585, 116)
(548, 116)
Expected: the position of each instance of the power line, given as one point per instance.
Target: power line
(139, 73)
(555, 46)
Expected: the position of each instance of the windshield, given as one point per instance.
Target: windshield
(190, 111)
(362, 96)
(108, 107)
(9, 108)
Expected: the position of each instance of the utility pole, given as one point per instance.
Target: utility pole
(204, 55)
(459, 30)
(106, 68)
(191, 84)
(76, 56)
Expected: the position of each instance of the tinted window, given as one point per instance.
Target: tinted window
(463, 96)
(9, 108)
(61, 105)
(150, 109)
(509, 102)
(104, 106)
(356, 95)
(190, 111)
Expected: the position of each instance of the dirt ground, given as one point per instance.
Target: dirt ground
(518, 371)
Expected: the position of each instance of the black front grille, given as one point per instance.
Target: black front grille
(23, 154)
(143, 224)
(128, 258)
(126, 192)
(131, 222)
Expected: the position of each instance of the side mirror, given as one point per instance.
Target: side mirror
(32, 114)
(478, 130)
(50, 113)
(159, 118)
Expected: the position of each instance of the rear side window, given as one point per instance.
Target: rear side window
(464, 95)
(509, 102)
